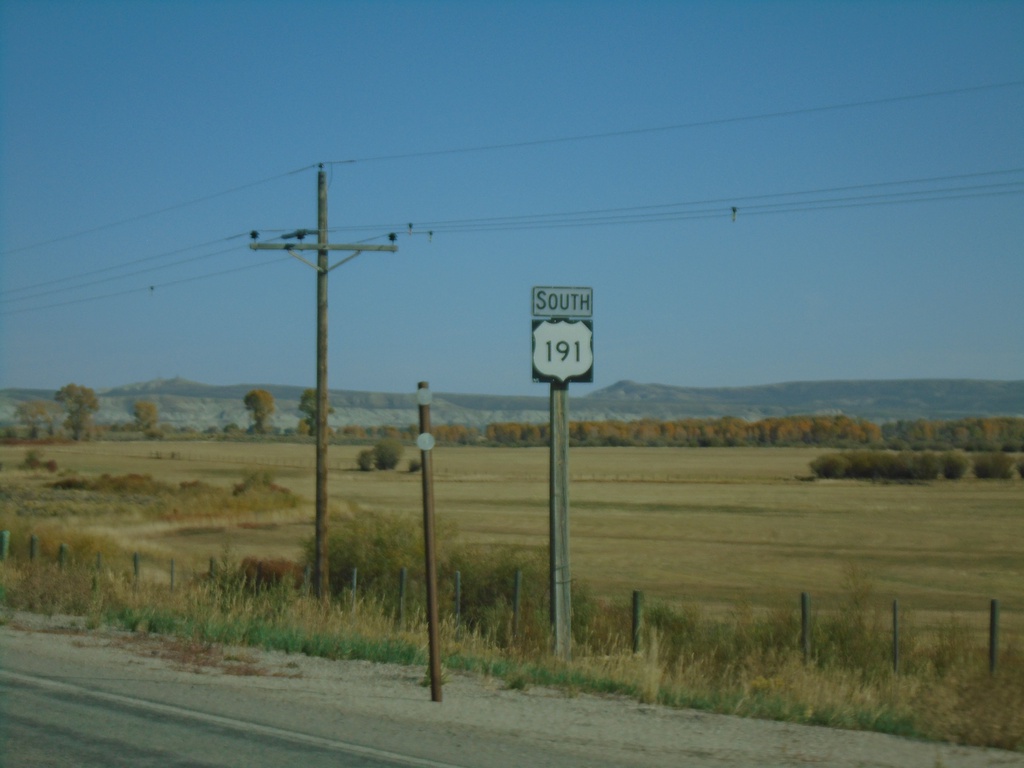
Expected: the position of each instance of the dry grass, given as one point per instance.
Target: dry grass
(722, 542)
(711, 526)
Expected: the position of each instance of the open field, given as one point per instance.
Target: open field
(709, 526)
(706, 525)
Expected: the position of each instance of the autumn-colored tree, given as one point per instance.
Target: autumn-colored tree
(80, 404)
(36, 415)
(307, 407)
(147, 416)
(260, 405)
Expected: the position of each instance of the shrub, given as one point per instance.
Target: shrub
(379, 545)
(924, 465)
(488, 587)
(255, 480)
(993, 466)
(831, 466)
(954, 464)
(33, 460)
(387, 453)
(365, 460)
(115, 484)
(879, 465)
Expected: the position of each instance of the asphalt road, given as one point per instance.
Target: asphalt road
(47, 723)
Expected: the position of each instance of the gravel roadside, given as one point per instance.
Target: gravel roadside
(480, 722)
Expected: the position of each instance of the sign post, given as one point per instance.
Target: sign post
(425, 442)
(563, 351)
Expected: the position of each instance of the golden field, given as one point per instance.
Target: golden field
(716, 527)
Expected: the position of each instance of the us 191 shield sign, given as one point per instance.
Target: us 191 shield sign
(563, 350)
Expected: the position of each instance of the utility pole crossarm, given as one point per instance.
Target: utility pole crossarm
(320, 247)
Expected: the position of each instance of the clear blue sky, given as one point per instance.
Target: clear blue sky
(874, 153)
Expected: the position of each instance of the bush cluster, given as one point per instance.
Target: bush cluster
(378, 545)
(911, 465)
(993, 466)
(33, 460)
(384, 455)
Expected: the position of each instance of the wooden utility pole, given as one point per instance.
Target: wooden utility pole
(320, 569)
(321, 584)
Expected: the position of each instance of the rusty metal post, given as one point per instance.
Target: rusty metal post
(425, 442)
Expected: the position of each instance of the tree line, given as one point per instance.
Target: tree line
(971, 434)
(78, 404)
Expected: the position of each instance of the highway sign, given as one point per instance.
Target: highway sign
(563, 350)
(550, 301)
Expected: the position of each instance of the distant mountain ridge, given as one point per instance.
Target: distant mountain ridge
(184, 403)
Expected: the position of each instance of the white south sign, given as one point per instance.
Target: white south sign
(563, 350)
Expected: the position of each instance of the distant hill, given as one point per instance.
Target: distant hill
(874, 400)
(184, 403)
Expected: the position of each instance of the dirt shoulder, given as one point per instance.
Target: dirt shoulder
(480, 722)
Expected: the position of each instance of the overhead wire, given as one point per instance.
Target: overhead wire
(150, 214)
(112, 278)
(680, 126)
(526, 144)
(718, 206)
(748, 204)
(145, 289)
(121, 265)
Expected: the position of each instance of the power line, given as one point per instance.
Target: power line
(112, 267)
(124, 276)
(527, 144)
(145, 289)
(680, 126)
(675, 210)
(633, 215)
(150, 214)
(930, 189)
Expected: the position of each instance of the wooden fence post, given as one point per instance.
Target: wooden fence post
(458, 603)
(172, 574)
(136, 563)
(805, 625)
(517, 596)
(403, 577)
(355, 584)
(62, 555)
(993, 636)
(638, 619)
(33, 547)
(895, 637)
(5, 544)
